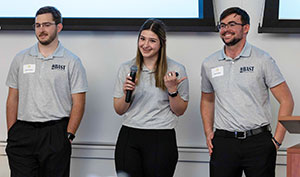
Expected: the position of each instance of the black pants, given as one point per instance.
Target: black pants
(39, 149)
(146, 153)
(255, 155)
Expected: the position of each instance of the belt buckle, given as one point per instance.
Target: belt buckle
(240, 137)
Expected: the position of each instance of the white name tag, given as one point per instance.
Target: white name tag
(29, 68)
(218, 71)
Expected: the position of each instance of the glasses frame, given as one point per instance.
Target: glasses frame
(45, 25)
(229, 25)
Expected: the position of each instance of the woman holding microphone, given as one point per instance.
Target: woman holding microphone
(146, 145)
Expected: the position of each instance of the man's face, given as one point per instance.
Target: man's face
(233, 30)
(46, 30)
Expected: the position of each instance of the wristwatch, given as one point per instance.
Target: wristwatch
(276, 142)
(71, 136)
(173, 94)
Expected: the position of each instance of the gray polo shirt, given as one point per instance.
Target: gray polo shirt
(241, 87)
(150, 107)
(45, 85)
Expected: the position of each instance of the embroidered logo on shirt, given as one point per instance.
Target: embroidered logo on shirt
(246, 69)
(58, 67)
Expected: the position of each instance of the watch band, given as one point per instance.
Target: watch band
(173, 94)
(278, 144)
(71, 136)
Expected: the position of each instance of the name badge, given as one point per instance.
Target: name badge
(29, 68)
(218, 71)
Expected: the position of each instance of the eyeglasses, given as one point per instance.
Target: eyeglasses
(229, 25)
(46, 25)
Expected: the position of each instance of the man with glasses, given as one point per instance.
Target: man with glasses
(235, 103)
(45, 103)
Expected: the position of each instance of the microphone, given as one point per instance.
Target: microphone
(133, 70)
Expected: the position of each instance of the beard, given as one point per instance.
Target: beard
(235, 40)
(48, 41)
(232, 42)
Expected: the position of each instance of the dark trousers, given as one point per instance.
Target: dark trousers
(146, 153)
(39, 149)
(255, 155)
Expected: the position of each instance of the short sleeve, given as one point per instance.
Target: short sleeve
(206, 85)
(120, 79)
(12, 77)
(272, 74)
(183, 87)
(78, 79)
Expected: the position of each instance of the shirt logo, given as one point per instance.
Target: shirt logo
(247, 69)
(58, 67)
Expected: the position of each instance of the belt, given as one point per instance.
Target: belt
(44, 124)
(242, 135)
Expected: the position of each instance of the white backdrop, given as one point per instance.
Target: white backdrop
(103, 52)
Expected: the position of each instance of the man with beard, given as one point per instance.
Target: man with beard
(45, 103)
(235, 103)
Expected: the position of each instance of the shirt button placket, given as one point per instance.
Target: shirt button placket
(42, 68)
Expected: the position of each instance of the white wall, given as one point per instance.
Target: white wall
(103, 52)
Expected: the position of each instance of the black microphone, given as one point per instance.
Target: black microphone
(133, 70)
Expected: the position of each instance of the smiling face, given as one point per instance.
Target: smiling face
(48, 30)
(231, 35)
(149, 45)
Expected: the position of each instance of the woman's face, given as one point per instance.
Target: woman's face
(149, 44)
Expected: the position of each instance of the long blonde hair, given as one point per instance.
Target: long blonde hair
(158, 27)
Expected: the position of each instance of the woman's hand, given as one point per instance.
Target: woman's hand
(119, 103)
(177, 104)
(128, 84)
(171, 81)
